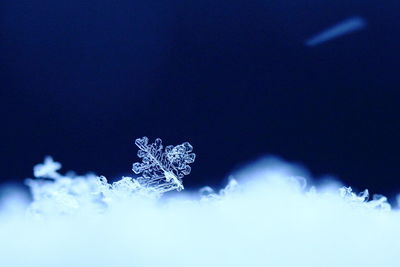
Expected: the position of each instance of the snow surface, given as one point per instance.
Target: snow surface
(266, 216)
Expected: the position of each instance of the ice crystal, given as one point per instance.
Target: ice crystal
(48, 169)
(163, 170)
(56, 193)
(377, 202)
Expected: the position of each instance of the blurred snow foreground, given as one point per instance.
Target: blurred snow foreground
(267, 215)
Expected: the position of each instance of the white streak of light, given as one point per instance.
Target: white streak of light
(345, 27)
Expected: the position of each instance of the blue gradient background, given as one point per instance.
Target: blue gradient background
(80, 81)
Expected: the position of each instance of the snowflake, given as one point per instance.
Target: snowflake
(163, 170)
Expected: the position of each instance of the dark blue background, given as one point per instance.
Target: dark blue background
(80, 80)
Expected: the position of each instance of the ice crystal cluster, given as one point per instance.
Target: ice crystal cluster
(267, 215)
(160, 171)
